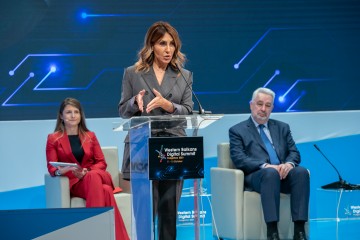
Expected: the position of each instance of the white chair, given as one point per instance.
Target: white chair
(237, 212)
(58, 193)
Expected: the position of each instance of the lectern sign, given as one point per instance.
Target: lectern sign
(176, 158)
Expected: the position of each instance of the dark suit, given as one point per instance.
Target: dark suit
(176, 90)
(249, 154)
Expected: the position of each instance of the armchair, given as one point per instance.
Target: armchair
(58, 193)
(237, 213)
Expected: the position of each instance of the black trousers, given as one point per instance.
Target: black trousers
(166, 196)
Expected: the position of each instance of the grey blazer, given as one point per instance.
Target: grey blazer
(173, 88)
(248, 151)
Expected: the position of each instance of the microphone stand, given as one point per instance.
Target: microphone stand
(338, 184)
(201, 109)
(197, 185)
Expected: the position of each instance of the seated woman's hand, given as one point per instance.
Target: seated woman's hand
(79, 172)
(64, 170)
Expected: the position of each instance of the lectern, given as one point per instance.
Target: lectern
(162, 158)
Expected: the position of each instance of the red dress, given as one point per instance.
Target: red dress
(96, 186)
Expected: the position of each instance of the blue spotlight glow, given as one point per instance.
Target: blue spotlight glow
(236, 66)
(31, 74)
(282, 99)
(84, 15)
(53, 68)
(11, 73)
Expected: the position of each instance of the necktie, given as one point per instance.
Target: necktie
(271, 151)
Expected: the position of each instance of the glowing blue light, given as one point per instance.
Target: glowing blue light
(277, 72)
(53, 69)
(86, 15)
(12, 72)
(31, 74)
(236, 66)
(260, 40)
(281, 99)
(20, 86)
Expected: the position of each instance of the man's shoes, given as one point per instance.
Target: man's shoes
(274, 236)
(300, 236)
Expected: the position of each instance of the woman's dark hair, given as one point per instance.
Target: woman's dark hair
(60, 123)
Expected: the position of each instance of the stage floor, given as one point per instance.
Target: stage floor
(320, 229)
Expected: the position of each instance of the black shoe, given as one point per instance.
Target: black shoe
(274, 236)
(300, 236)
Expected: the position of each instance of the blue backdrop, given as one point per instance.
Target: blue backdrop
(307, 51)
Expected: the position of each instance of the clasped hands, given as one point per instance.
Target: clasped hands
(77, 171)
(158, 101)
(283, 169)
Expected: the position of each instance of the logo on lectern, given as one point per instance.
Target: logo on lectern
(175, 158)
(161, 155)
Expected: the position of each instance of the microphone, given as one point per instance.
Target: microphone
(201, 109)
(338, 184)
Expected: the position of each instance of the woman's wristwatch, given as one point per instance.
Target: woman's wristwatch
(57, 173)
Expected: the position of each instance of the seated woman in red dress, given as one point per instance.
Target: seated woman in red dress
(72, 142)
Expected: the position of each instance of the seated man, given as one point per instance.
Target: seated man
(265, 151)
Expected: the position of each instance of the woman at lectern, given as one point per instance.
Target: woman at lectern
(157, 84)
(72, 142)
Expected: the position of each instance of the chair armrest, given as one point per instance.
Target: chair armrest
(123, 201)
(223, 153)
(124, 184)
(227, 189)
(57, 191)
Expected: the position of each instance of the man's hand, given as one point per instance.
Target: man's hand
(284, 170)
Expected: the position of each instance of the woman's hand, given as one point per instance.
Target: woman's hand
(159, 101)
(139, 100)
(79, 172)
(64, 170)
